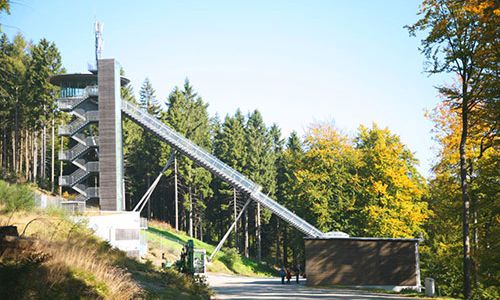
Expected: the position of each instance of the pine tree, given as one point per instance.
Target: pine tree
(187, 114)
(229, 146)
(143, 156)
(259, 168)
(147, 98)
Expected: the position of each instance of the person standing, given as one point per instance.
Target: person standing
(297, 272)
(282, 275)
(288, 275)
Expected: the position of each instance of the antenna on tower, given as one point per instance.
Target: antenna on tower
(98, 41)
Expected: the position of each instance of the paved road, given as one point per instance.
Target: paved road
(236, 287)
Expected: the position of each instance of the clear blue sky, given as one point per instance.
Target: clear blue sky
(298, 62)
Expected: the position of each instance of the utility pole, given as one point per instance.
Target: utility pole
(176, 194)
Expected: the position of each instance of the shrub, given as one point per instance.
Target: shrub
(231, 257)
(16, 197)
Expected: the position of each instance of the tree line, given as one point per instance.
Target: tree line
(365, 185)
(28, 113)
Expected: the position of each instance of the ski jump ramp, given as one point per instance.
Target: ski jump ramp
(215, 166)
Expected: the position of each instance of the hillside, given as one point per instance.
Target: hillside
(54, 258)
(164, 239)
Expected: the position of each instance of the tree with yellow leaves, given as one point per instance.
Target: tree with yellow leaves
(366, 186)
(462, 38)
(391, 191)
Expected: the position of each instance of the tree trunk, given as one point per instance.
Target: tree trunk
(61, 167)
(4, 151)
(35, 157)
(195, 228)
(245, 247)
(26, 156)
(278, 251)
(44, 151)
(176, 194)
(20, 156)
(16, 135)
(285, 245)
(190, 213)
(13, 163)
(235, 215)
(201, 228)
(465, 197)
(148, 184)
(257, 233)
(52, 159)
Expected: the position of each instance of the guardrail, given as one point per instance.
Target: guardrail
(70, 102)
(73, 127)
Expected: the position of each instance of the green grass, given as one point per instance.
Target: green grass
(225, 261)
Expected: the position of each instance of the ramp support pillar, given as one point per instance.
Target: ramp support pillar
(229, 230)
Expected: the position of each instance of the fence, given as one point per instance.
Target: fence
(71, 207)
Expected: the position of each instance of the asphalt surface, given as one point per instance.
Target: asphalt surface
(238, 287)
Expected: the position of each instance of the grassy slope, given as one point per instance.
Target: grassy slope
(58, 259)
(163, 239)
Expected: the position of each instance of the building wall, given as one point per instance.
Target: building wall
(120, 229)
(368, 262)
(110, 137)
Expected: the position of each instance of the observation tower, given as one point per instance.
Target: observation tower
(95, 149)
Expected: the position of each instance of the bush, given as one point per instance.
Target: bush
(231, 257)
(16, 197)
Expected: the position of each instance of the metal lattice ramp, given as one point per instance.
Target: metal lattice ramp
(216, 166)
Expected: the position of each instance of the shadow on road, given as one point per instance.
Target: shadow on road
(235, 287)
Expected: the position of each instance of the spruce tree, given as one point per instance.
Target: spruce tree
(187, 114)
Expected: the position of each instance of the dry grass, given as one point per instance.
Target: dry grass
(58, 259)
(67, 251)
(111, 282)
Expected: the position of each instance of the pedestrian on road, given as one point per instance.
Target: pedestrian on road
(282, 275)
(297, 273)
(288, 275)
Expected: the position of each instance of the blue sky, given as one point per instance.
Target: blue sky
(298, 62)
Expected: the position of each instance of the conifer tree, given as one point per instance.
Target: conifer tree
(187, 114)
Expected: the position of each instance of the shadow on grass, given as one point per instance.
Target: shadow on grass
(167, 234)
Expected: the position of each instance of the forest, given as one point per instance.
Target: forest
(363, 183)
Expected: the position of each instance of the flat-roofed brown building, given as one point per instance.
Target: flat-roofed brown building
(368, 262)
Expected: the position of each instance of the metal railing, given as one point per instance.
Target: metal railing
(73, 153)
(78, 124)
(68, 103)
(80, 174)
(89, 193)
(216, 166)
(189, 148)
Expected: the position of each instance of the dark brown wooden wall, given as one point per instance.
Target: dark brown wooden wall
(361, 262)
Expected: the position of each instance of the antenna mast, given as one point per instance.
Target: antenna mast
(98, 41)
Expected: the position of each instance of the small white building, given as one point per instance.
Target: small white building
(122, 229)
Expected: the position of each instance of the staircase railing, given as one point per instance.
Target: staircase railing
(78, 124)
